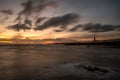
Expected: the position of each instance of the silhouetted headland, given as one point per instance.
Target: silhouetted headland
(110, 43)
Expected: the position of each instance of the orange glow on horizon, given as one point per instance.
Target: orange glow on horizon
(4, 42)
(46, 34)
(48, 42)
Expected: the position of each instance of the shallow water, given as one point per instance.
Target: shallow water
(56, 62)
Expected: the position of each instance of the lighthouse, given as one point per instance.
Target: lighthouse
(94, 38)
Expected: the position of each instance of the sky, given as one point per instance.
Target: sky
(77, 20)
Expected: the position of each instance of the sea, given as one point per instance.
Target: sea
(59, 62)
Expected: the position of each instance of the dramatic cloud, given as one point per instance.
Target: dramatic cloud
(100, 28)
(61, 21)
(18, 27)
(76, 28)
(18, 19)
(39, 20)
(90, 27)
(34, 6)
(58, 30)
(7, 12)
(30, 8)
(28, 22)
(26, 25)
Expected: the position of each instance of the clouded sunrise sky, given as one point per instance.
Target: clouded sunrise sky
(71, 19)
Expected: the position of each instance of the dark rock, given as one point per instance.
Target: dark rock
(92, 68)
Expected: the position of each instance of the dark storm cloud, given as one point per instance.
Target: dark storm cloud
(62, 21)
(91, 27)
(27, 8)
(76, 28)
(34, 6)
(18, 19)
(39, 20)
(7, 11)
(100, 28)
(28, 22)
(18, 27)
(59, 30)
(30, 7)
